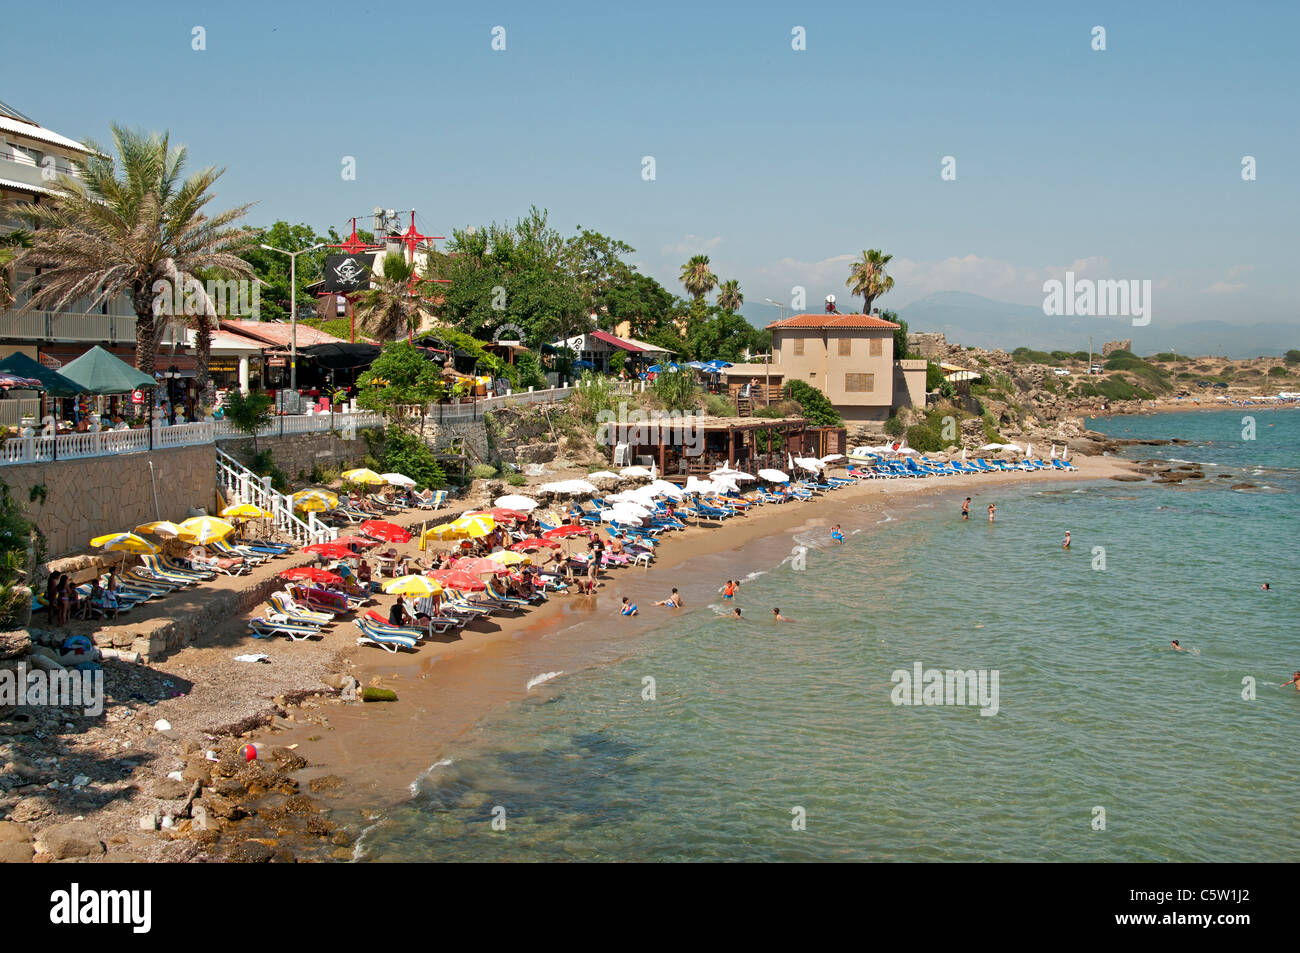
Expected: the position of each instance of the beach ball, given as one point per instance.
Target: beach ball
(248, 753)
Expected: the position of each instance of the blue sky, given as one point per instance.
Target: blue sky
(781, 165)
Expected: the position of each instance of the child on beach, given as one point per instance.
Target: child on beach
(965, 509)
(729, 590)
(628, 607)
(674, 601)
(1066, 543)
(992, 509)
(836, 533)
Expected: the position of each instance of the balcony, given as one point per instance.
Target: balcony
(67, 326)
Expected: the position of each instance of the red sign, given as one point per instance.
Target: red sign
(137, 397)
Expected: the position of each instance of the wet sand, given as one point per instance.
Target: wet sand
(445, 688)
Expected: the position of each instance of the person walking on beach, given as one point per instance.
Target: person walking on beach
(992, 509)
(1065, 544)
(965, 509)
(674, 601)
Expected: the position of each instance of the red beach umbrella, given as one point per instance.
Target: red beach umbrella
(357, 541)
(331, 550)
(313, 574)
(502, 515)
(388, 532)
(530, 545)
(479, 567)
(560, 532)
(452, 579)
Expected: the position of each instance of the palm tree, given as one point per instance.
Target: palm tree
(867, 277)
(697, 278)
(11, 246)
(391, 304)
(730, 297)
(130, 227)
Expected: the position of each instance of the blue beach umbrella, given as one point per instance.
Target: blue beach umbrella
(660, 368)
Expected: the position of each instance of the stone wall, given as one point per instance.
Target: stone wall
(472, 434)
(299, 454)
(930, 345)
(97, 495)
(1110, 346)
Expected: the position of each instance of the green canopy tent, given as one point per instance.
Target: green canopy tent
(98, 372)
(54, 383)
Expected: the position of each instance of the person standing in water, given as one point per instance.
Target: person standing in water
(992, 509)
(837, 534)
(729, 590)
(1066, 543)
(965, 509)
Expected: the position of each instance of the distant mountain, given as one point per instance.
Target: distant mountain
(973, 319)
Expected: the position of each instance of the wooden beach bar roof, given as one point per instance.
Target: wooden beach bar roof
(721, 440)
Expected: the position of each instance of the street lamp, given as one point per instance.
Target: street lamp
(293, 308)
(767, 358)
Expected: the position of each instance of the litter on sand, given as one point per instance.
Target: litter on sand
(257, 657)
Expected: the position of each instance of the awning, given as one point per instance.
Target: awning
(612, 341)
(342, 356)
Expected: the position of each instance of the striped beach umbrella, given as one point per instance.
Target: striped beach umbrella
(244, 511)
(314, 500)
(413, 586)
(163, 528)
(125, 543)
(204, 529)
(363, 475)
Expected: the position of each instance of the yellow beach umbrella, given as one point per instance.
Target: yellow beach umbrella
(413, 586)
(508, 558)
(205, 529)
(164, 528)
(442, 531)
(363, 475)
(125, 543)
(244, 511)
(475, 525)
(314, 500)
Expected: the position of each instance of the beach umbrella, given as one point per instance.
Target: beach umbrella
(773, 476)
(163, 528)
(832, 456)
(388, 532)
(1052, 457)
(455, 579)
(602, 475)
(314, 500)
(312, 574)
(125, 543)
(363, 475)
(397, 479)
(635, 473)
(569, 487)
(50, 381)
(534, 543)
(355, 541)
(244, 511)
(331, 550)
(789, 462)
(413, 586)
(479, 567)
(204, 530)
(474, 525)
(18, 382)
(665, 488)
(991, 446)
(726, 485)
(501, 515)
(1029, 449)
(811, 464)
(1012, 447)
(963, 454)
(99, 372)
(624, 516)
(562, 532)
(905, 450)
(514, 501)
(507, 557)
(731, 474)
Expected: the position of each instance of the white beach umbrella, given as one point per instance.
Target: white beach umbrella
(601, 475)
(635, 473)
(513, 501)
(695, 485)
(731, 474)
(810, 464)
(623, 514)
(963, 454)
(991, 446)
(904, 450)
(773, 476)
(569, 487)
(1029, 449)
(789, 462)
(665, 488)
(397, 479)
(1053, 456)
(1011, 446)
(832, 456)
(725, 484)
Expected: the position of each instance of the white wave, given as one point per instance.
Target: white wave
(539, 679)
(415, 785)
(754, 575)
(887, 519)
(358, 849)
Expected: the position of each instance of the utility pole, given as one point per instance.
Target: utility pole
(293, 308)
(1089, 354)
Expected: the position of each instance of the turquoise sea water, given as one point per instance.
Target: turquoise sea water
(755, 721)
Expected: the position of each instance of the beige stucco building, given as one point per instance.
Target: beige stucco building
(849, 358)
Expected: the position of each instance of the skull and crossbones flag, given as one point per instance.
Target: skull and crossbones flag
(346, 273)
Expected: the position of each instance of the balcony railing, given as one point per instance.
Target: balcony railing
(67, 326)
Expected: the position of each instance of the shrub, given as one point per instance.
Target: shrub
(263, 464)
(923, 438)
(405, 453)
(676, 390)
(718, 405)
(1292, 356)
(1024, 355)
(933, 376)
(516, 479)
(816, 405)
(894, 426)
(482, 471)
(1278, 372)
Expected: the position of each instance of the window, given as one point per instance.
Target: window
(846, 347)
(859, 383)
(798, 347)
(877, 347)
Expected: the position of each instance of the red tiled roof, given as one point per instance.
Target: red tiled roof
(277, 333)
(615, 341)
(833, 321)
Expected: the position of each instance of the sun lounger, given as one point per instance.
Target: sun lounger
(155, 568)
(297, 632)
(282, 605)
(388, 638)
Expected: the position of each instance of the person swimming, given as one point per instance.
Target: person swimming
(674, 601)
(735, 614)
(776, 615)
(836, 534)
(1176, 647)
(1266, 587)
(629, 608)
(1295, 680)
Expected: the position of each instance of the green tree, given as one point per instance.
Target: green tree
(248, 413)
(400, 377)
(407, 454)
(816, 405)
(126, 225)
(641, 301)
(868, 278)
(11, 246)
(394, 302)
(900, 335)
(697, 277)
(272, 268)
(729, 295)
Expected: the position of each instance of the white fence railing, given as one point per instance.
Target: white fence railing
(14, 411)
(73, 446)
(474, 409)
(238, 484)
(67, 326)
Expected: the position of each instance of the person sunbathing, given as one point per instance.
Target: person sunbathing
(199, 557)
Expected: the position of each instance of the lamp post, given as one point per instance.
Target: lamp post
(293, 308)
(767, 383)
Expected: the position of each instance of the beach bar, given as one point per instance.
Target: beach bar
(699, 444)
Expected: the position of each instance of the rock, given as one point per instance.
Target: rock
(218, 806)
(250, 852)
(11, 833)
(300, 804)
(198, 770)
(162, 724)
(372, 694)
(16, 853)
(64, 841)
(170, 789)
(1128, 478)
(328, 782)
(149, 822)
(1243, 486)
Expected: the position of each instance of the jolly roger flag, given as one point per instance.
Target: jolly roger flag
(346, 273)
